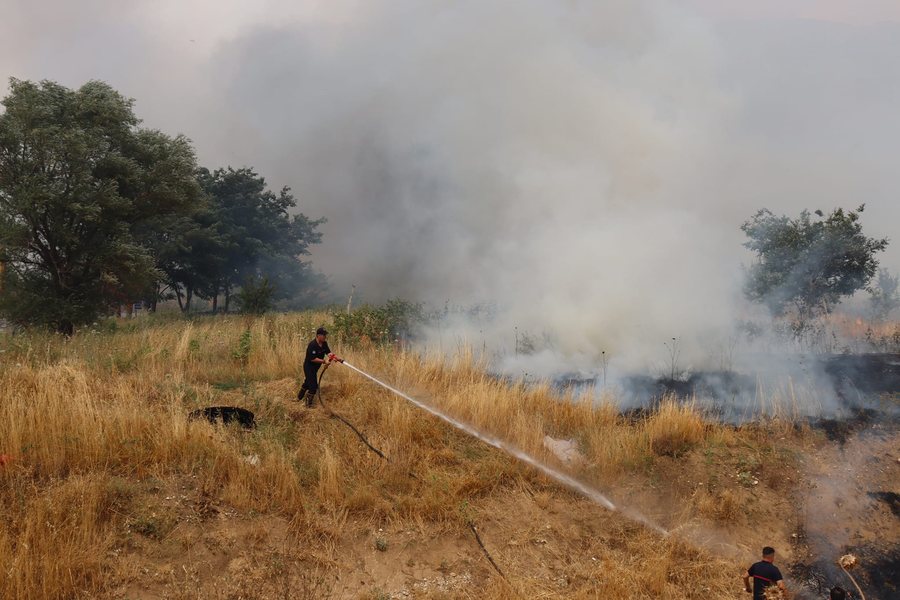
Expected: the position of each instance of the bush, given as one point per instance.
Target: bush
(379, 324)
(256, 296)
(674, 429)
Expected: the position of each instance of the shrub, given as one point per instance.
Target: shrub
(379, 324)
(256, 296)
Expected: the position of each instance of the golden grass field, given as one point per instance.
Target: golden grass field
(109, 491)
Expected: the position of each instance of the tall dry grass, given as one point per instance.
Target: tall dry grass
(79, 415)
(87, 420)
(523, 414)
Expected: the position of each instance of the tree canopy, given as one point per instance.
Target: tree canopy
(807, 265)
(257, 237)
(96, 211)
(78, 179)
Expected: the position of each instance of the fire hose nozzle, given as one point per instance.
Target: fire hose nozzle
(334, 357)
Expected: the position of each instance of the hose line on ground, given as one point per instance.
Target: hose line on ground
(352, 427)
(365, 441)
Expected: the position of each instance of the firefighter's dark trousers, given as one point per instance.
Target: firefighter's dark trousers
(310, 386)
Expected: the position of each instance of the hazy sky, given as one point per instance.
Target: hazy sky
(584, 164)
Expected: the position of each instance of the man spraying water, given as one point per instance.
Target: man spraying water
(317, 354)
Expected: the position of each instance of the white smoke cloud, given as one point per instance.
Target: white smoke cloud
(584, 166)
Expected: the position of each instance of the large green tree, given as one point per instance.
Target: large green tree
(190, 253)
(83, 192)
(806, 265)
(256, 234)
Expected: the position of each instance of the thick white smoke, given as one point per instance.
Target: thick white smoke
(538, 155)
(584, 166)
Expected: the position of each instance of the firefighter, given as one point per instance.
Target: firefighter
(764, 574)
(317, 354)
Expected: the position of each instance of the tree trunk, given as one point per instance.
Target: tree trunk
(190, 296)
(227, 297)
(151, 306)
(215, 306)
(66, 328)
(178, 297)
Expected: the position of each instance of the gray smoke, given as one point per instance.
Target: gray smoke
(582, 166)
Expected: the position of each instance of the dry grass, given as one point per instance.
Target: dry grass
(100, 443)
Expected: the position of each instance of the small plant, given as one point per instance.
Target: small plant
(747, 479)
(465, 512)
(242, 352)
(150, 527)
(381, 544)
(256, 296)
(379, 594)
(674, 351)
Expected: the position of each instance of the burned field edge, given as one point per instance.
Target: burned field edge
(858, 389)
(199, 388)
(866, 407)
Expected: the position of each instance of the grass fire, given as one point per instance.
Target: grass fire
(449, 300)
(113, 492)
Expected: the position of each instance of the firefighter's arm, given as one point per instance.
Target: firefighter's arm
(747, 587)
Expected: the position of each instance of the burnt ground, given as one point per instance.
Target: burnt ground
(840, 430)
(850, 502)
(851, 505)
(878, 578)
(854, 374)
(851, 390)
(892, 499)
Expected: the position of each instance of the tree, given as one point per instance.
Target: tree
(805, 265)
(189, 254)
(884, 296)
(259, 238)
(81, 187)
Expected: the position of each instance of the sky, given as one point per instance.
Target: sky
(585, 166)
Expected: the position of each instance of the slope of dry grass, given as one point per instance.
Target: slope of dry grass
(112, 492)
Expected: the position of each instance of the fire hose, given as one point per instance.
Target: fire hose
(353, 428)
(562, 478)
(566, 480)
(469, 522)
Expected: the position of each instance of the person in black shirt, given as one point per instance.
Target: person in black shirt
(317, 354)
(838, 593)
(764, 574)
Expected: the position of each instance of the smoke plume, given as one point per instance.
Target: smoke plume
(583, 167)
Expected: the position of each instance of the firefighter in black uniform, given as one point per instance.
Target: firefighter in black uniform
(317, 354)
(764, 574)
